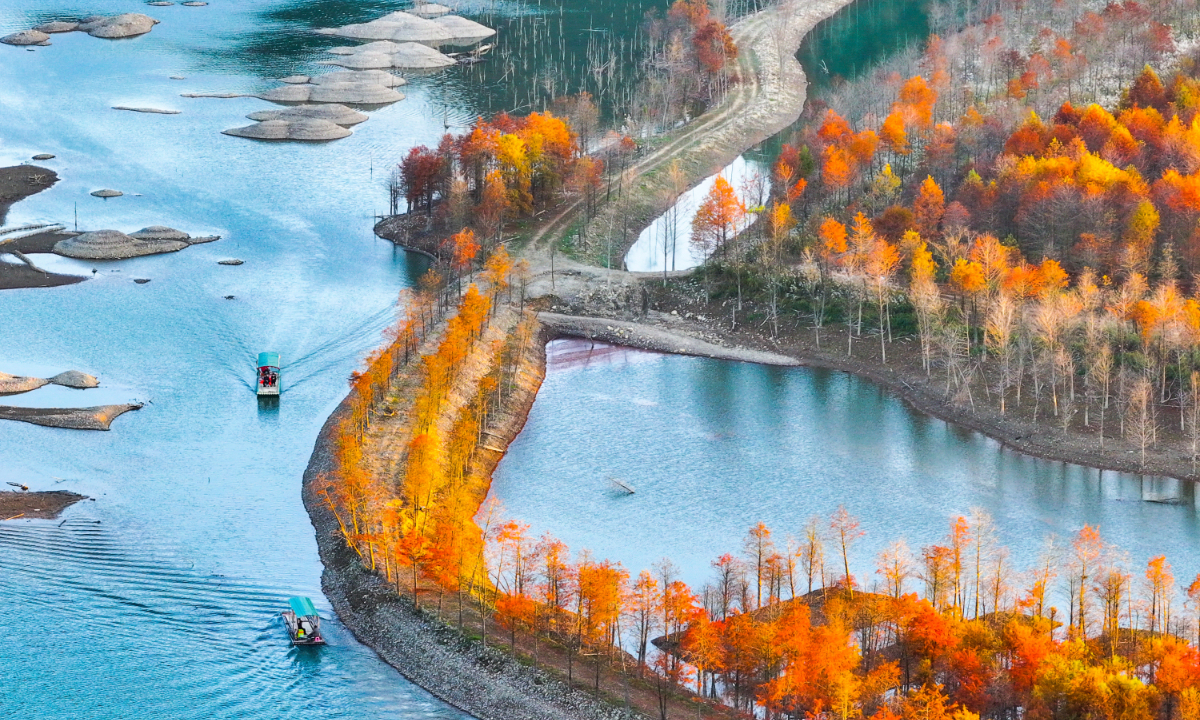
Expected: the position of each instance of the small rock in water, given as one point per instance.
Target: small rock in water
(75, 379)
(106, 193)
(230, 261)
(43, 156)
(228, 297)
(26, 37)
(117, 26)
(141, 281)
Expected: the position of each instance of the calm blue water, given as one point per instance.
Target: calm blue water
(713, 447)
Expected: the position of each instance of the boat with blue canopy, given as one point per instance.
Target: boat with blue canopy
(268, 374)
(303, 623)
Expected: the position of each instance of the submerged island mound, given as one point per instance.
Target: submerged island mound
(89, 418)
(302, 129)
(344, 91)
(57, 26)
(334, 113)
(430, 10)
(26, 37)
(402, 27)
(385, 54)
(116, 245)
(113, 27)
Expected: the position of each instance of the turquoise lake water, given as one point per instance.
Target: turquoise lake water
(713, 447)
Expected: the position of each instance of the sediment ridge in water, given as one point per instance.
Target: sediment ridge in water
(90, 418)
(45, 505)
(483, 681)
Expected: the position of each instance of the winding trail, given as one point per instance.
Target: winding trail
(769, 96)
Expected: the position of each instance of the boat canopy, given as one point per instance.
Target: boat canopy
(268, 359)
(302, 606)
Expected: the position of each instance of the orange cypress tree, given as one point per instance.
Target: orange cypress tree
(928, 208)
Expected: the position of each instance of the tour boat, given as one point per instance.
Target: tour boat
(303, 623)
(268, 374)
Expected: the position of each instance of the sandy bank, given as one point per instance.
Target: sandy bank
(17, 183)
(90, 418)
(36, 505)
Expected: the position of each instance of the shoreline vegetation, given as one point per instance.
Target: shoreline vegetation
(399, 473)
(1087, 356)
(375, 462)
(440, 585)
